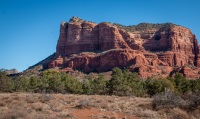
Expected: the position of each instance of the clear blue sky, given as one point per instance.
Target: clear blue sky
(29, 29)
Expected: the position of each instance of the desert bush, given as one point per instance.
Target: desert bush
(6, 84)
(167, 99)
(21, 84)
(44, 98)
(170, 100)
(125, 83)
(177, 113)
(55, 85)
(54, 81)
(84, 103)
(86, 86)
(43, 85)
(37, 106)
(72, 85)
(31, 98)
(99, 85)
(135, 83)
(181, 84)
(117, 85)
(154, 86)
(194, 85)
(193, 102)
(17, 114)
(33, 84)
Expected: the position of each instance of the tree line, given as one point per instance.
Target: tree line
(121, 83)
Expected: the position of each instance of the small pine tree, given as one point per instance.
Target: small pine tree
(33, 83)
(118, 85)
(86, 86)
(6, 84)
(21, 84)
(99, 85)
(154, 86)
(181, 84)
(72, 85)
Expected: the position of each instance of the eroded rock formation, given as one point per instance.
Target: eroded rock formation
(149, 49)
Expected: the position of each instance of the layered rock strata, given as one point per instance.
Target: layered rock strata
(149, 49)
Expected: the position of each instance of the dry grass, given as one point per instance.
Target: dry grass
(68, 106)
(176, 106)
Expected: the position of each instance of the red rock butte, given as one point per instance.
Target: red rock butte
(149, 49)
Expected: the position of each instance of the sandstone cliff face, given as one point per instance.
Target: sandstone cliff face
(76, 37)
(155, 51)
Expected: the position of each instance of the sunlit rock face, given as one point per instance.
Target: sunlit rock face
(149, 49)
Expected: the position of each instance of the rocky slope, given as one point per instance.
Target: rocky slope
(11, 71)
(149, 49)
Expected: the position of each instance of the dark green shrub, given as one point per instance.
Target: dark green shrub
(51, 81)
(194, 85)
(6, 84)
(86, 86)
(33, 84)
(181, 84)
(72, 85)
(21, 83)
(117, 85)
(125, 83)
(98, 85)
(137, 84)
(154, 86)
(55, 85)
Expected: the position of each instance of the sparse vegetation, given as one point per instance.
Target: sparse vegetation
(171, 97)
(144, 26)
(179, 106)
